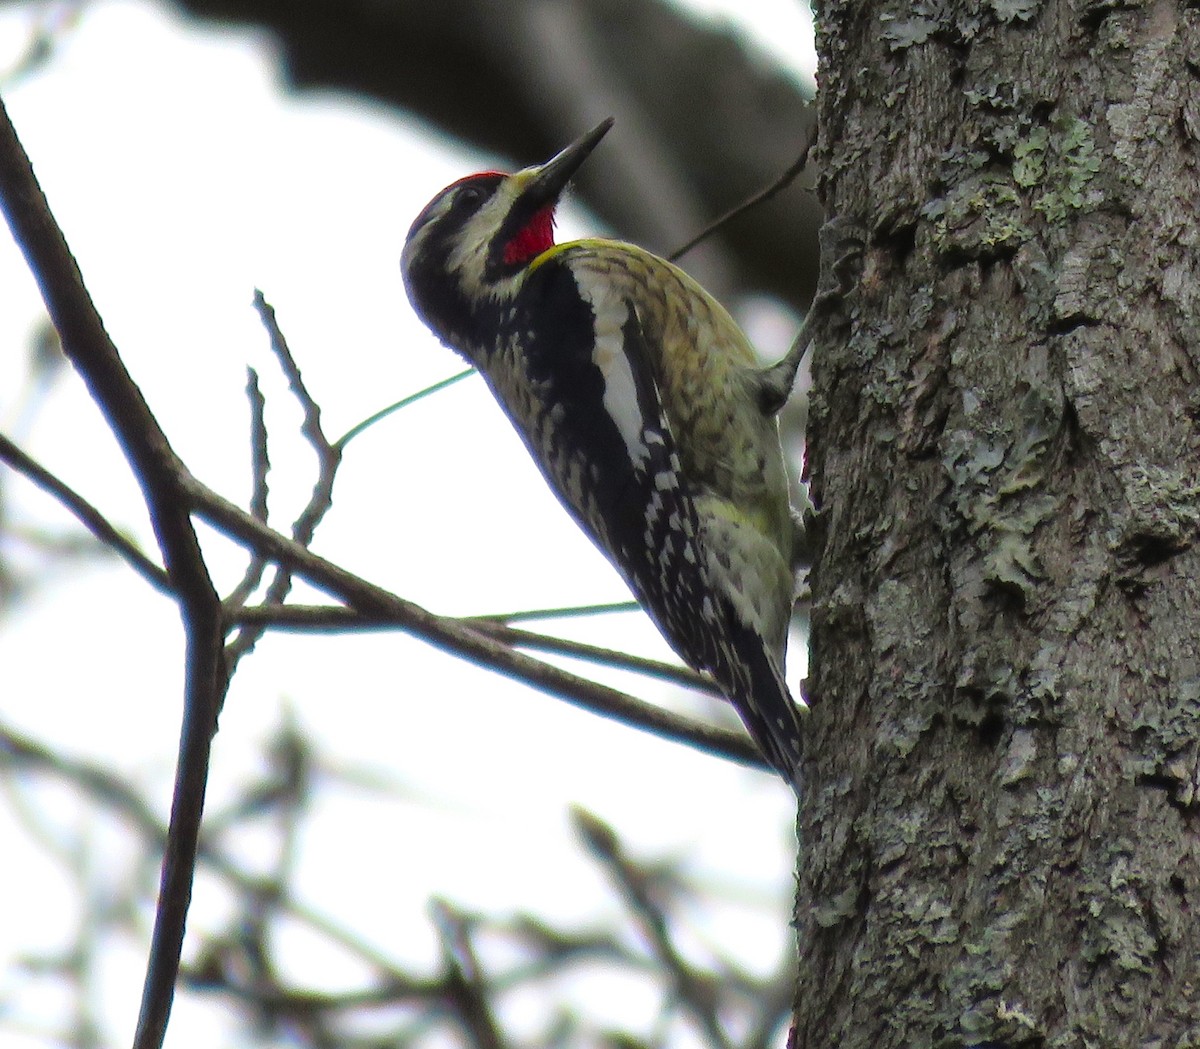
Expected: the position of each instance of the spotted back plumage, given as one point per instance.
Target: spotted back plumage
(688, 502)
(642, 403)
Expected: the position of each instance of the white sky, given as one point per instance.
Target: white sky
(184, 179)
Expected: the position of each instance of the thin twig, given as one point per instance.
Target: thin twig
(279, 1002)
(162, 477)
(611, 657)
(91, 518)
(695, 992)
(568, 612)
(460, 638)
(286, 795)
(464, 977)
(53, 25)
(338, 619)
(404, 402)
(761, 197)
(260, 468)
(227, 962)
(24, 754)
(329, 457)
(260, 457)
(311, 427)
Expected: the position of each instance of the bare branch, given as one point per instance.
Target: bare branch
(91, 518)
(161, 476)
(172, 495)
(338, 619)
(464, 977)
(260, 467)
(672, 672)
(211, 973)
(761, 197)
(329, 457)
(463, 639)
(696, 992)
(260, 459)
(241, 964)
(774, 998)
(24, 754)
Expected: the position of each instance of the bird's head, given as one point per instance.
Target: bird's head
(467, 252)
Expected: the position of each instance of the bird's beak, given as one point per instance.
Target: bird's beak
(528, 228)
(547, 182)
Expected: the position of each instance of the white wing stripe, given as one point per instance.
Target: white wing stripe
(611, 313)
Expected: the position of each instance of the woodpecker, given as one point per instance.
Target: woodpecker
(644, 406)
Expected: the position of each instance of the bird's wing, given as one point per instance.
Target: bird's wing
(606, 447)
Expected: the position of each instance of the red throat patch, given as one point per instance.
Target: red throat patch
(536, 236)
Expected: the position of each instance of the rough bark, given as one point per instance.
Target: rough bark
(999, 841)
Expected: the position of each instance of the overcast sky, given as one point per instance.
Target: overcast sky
(183, 179)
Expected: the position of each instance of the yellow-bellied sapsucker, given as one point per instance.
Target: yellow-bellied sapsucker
(642, 403)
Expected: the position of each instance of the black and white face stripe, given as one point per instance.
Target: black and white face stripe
(443, 225)
(468, 251)
(454, 223)
(453, 261)
(457, 203)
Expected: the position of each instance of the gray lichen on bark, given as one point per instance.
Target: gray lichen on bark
(998, 846)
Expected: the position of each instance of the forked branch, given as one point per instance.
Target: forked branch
(173, 496)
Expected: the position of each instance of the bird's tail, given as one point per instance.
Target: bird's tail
(755, 685)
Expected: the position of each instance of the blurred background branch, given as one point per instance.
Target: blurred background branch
(487, 959)
(703, 123)
(702, 120)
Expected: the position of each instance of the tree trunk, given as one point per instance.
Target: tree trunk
(998, 836)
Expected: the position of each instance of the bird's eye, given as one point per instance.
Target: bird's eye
(467, 198)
